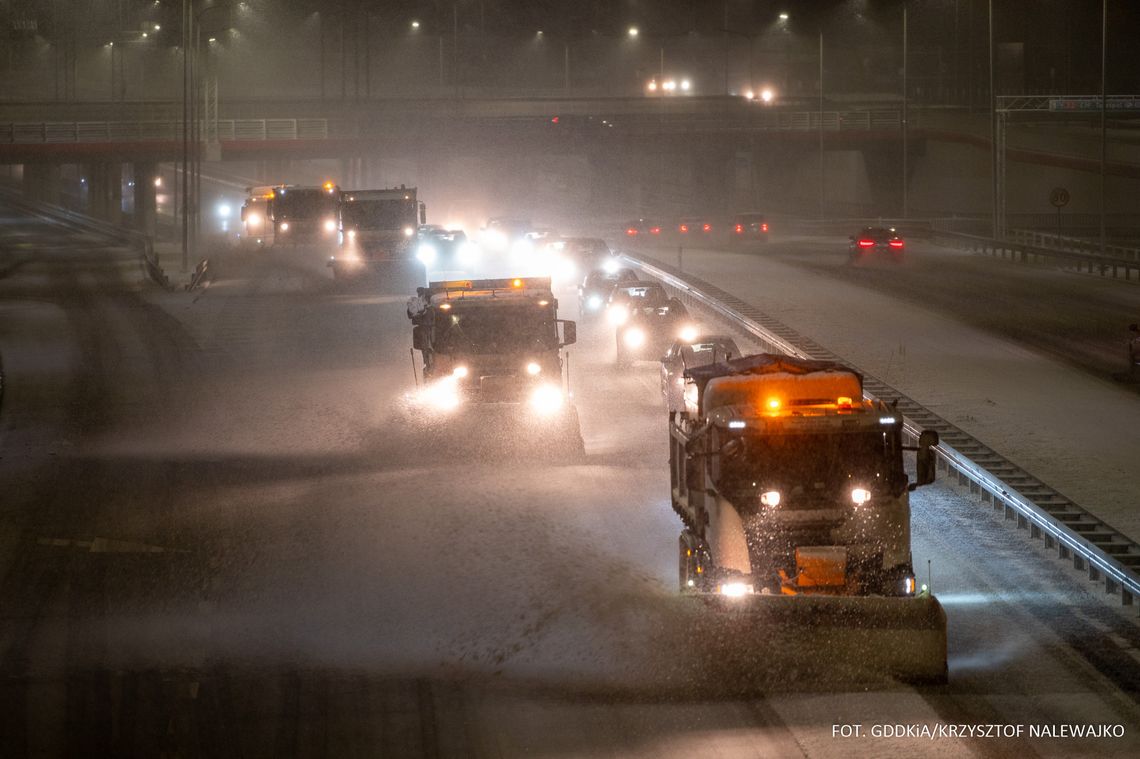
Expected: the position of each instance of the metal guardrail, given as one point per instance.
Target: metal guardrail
(142, 243)
(1093, 263)
(1053, 241)
(1077, 535)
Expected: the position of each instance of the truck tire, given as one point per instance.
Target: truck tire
(692, 564)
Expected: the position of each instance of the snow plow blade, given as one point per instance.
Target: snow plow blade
(825, 640)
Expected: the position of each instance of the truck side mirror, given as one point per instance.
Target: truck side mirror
(419, 342)
(243, 210)
(926, 458)
(569, 333)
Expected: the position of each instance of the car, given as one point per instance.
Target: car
(440, 249)
(598, 284)
(647, 321)
(684, 355)
(695, 228)
(870, 241)
(641, 231)
(748, 227)
(502, 233)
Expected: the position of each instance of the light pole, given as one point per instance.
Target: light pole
(905, 208)
(993, 130)
(1103, 119)
(822, 170)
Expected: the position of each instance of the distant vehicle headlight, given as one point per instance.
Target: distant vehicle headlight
(252, 220)
(611, 265)
(533, 368)
(617, 315)
(330, 225)
(594, 302)
(634, 337)
(409, 231)
(546, 399)
(688, 333)
(224, 210)
(284, 226)
(426, 254)
(351, 234)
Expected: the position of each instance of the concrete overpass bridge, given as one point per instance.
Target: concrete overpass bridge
(639, 154)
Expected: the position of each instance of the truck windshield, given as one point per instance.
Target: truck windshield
(378, 214)
(818, 464)
(301, 205)
(498, 329)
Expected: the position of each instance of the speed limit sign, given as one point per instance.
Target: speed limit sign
(1059, 197)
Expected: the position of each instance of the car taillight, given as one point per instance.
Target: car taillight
(896, 243)
(706, 227)
(631, 232)
(764, 227)
(866, 243)
(683, 228)
(655, 230)
(739, 229)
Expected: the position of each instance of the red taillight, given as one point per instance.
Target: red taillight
(683, 228)
(706, 227)
(764, 227)
(631, 232)
(895, 243)
(739, 229)
(655, 230)
(866, 243)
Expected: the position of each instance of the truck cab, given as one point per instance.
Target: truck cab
(376, 226)
(493, 344)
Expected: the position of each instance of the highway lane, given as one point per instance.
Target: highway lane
(330, 584)
(974, 340)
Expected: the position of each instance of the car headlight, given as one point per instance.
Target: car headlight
(860, 496)
(770, 498)
(460, 372)
(546, 399)
(426, 254)
(284, 226)
(533, 368)
(594, 302)
(252, 220)
(634, 337)
(409, 231)
(688, 333)
(351, 234)
(617, 315)
(330, 225)
(610, 266)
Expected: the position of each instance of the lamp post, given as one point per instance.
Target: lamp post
(905, 194)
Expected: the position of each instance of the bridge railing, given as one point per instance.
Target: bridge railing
(50, 132)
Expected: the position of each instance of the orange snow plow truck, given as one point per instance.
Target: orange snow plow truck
(795, 504)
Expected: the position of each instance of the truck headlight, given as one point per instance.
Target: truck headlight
(330, 225)
(735, 589)
(442, 395)
(533, 368)
(546, 399)
(634, 337)
(770, 498)
(611, 265)
(284, 226)
(426, 254)
(688, 333)
(617, 315)
(860, 496)
(594, 302)
(408, 231)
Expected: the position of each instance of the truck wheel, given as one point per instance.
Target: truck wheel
(692, 563)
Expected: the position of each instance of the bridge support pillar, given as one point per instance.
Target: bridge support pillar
(42, 182)
(145, 197)
(105, 191)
